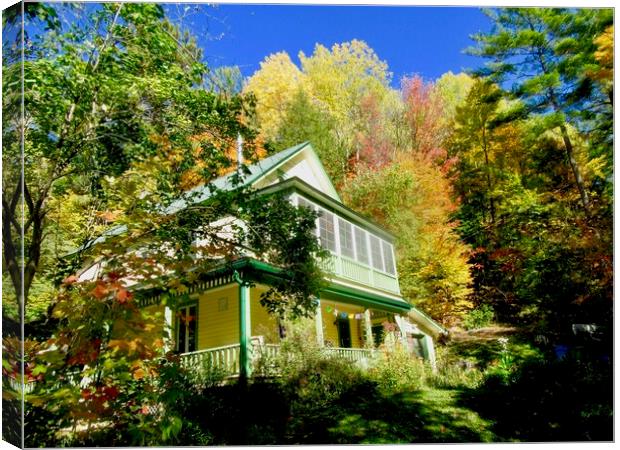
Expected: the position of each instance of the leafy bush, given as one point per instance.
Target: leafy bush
(566, 400)
(453, 376)
(397, 370)
(479, 317)
(207, 375)
(308, 373)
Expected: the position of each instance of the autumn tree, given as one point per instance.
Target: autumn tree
(275, 85)
(411, 198)
(541, 52)
(333, 82)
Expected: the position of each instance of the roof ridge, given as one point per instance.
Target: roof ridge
(202, 192)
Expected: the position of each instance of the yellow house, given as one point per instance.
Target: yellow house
(222, 320)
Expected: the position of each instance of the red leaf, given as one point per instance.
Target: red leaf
(100, 291)
(70, 279)
(122, 295)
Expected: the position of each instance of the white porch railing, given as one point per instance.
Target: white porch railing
(356, 355)
(227, 357)
(347, 268)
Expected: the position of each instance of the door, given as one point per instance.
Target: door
(344, 333)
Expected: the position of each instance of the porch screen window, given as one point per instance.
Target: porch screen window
(305, 203)
(186, 329)
(346, 238)
(388, 258)
(327, 230)
(361, 247)
(375, 251)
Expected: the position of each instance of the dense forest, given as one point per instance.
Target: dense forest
(497, 183)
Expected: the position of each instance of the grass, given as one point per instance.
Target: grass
(362, 415)
(514, 393)
(422, 416)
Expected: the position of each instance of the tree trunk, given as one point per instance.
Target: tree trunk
(568, 145)
(488, 171)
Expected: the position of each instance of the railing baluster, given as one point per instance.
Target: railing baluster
(227, 357)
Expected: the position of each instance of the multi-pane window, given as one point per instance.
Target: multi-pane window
(327, 231)
(361, 246)
(388, 258)
(375, 252)
(186, 329)
(305, 203)
(352, 240)
(345, 230)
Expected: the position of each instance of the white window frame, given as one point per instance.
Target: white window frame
(364, 234)
(367, 236)
(187, 309)
(352, 235)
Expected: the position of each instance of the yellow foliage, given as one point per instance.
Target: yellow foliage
(341, 78)
(605, 55)
(274, 86)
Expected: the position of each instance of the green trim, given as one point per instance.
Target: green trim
(245, 367)
(429, 321)
(366, 299)
(293, 151)
(219, 276)
(297, 185)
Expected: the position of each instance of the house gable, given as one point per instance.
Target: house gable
(305, 165)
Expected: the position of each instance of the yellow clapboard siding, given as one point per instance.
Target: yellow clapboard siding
(262, 323)
(221, 327)
(330, 329)
(218, 317)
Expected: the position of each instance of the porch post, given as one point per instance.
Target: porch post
(401, 325)
(369, 342)
(318, 322)
(429, 349)
(168, 330)
(245, 368)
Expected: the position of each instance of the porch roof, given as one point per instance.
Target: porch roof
(253, 269)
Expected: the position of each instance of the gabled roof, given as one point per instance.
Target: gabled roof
(199, 194)
(226, 182)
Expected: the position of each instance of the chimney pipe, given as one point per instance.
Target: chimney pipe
(239, 153)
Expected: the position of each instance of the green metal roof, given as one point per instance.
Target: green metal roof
(203, 192)
(226, 182)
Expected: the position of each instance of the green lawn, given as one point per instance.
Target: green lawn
(426, 415)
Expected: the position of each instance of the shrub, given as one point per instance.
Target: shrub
(308, 373)
(397, 370)
(454, 376)
(207, 375)
(479, 317)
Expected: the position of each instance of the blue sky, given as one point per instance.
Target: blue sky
(424, 40)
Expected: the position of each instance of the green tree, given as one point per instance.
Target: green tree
(113, 87)
(305, 120)
(541, 51)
